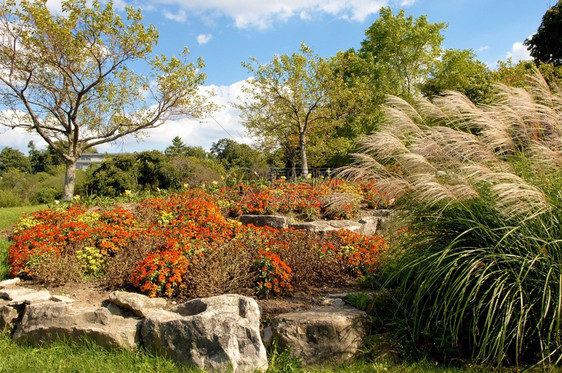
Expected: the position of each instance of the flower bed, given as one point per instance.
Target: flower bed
(182, 245)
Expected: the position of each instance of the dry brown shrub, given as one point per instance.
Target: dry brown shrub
(311, 270)
(120, 266)
(57, 270)
(222, 270)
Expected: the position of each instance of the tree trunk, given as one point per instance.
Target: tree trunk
(302, 148)
(69, 180)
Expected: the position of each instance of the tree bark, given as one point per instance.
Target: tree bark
(69, 180)
(302, 148)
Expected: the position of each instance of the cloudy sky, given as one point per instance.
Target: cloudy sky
(226, 32)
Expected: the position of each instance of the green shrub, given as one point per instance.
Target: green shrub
(9, 198)
(480, 267)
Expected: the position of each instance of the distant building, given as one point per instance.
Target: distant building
(87, 159)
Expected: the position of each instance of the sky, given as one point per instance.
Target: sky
(224, 33)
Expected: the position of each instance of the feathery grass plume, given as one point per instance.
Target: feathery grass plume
(481, 269)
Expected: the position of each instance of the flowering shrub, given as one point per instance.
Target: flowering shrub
(183, 245)
(68, 232)
(274, 274)
(308, 200)
(161, 273)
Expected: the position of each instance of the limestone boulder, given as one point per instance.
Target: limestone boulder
(140, 304)
(49, 321)
(274, 221)
(322, 334)
(216, 333)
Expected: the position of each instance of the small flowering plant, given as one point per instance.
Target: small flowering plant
(161, 273)
(274, 275)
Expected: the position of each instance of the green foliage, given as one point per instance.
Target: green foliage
(233, 155)
(12, 159)
(115, 175)
(459, 70)
(155, 172)
(399, 51)
(195, 171)
(295, 100)
(280, 360)
(545, 45)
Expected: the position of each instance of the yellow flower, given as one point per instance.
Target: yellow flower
(186, 186)
(214, 182)
(127, 192)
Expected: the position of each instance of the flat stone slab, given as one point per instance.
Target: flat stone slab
(50, 321)
(62, 298)
(9, 283)
(18, 296)
(325, 226)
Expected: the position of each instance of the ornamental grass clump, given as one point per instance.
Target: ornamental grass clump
(481, 265)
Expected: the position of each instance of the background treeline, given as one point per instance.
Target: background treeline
(38, 177)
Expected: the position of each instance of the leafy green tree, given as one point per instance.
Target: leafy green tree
(177, 147)
(459, 70)
(155, 171)
(13, 159)
(516, 75)
(292, 97)
(66, 76)
(546, 44)
(114, 175)
(234, 155)
(400, 51)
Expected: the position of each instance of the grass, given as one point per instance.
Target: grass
(8, 217)
(88, 357)
(78, 357)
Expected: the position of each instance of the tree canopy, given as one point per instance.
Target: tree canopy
(292, 97)
(66, 76)
(399, 51)
(546, 44)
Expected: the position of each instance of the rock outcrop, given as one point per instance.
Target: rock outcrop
(322, 334)
(50, 321)
(216, 333)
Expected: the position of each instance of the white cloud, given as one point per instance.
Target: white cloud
(224, 123)
(54, 6)
(261, 14)
(204, 38)
(179, 16)
(518, 52)
(18, 139)
(483, 48)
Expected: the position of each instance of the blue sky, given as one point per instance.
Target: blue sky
(226, 32)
